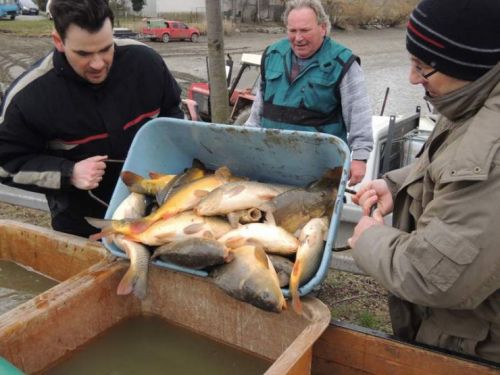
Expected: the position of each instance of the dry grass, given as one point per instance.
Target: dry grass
(345, 14)
(348, 14)
(27, 28)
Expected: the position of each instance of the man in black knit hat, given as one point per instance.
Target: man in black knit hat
(441, 258)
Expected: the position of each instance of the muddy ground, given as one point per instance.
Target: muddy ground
(382, 52)
(352, 298)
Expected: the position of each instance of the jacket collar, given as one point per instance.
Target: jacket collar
(320, 58)
(466, 101)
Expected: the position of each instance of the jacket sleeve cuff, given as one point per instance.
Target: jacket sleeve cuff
(66, 173)
(360, 154)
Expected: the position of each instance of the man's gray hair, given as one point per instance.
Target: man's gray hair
(315, 5)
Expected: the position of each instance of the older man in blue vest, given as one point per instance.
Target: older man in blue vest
(309, 82)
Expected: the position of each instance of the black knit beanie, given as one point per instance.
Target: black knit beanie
(459, 38)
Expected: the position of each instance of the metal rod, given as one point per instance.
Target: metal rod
(114, 161)
(97, 199)
(385, 101)
(350, 191)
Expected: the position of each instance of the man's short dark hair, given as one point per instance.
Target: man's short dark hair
(86, 14)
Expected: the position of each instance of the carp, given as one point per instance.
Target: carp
(274, 239)
(135, 279)
(234, 196)
(183, 199)
(196, 172)
(292, 209)
(308, 257)
(194, 253)
(250, 277)
(181, 226)
(188, 195)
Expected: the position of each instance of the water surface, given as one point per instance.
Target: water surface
(151, 346)
(19, 284)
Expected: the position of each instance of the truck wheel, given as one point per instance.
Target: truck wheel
(194, 38)
(13, 17)
(165, 38)
(243, 116)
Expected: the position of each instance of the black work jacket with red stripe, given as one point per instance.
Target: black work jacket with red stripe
(51, 118)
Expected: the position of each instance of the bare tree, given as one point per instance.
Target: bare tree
(219, 101)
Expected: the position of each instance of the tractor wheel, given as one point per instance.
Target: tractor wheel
(194, 38)
(165, 38)
(243, 116)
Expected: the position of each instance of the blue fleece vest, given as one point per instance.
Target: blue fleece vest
(312, 101)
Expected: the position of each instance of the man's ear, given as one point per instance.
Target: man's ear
(57, 40)
(323, 29)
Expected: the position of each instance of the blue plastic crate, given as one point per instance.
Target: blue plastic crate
(296, 158)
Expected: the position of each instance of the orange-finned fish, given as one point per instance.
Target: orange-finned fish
(181, 226)
(136, 278)
(238, 195)
(183, 199)
(308, 257)
(188, 195)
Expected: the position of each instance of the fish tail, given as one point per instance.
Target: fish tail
(126, 285)
(136, 277)
(294, 287)
(133, 282)
(108, 231)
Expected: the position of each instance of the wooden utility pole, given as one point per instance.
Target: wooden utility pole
(219, 100)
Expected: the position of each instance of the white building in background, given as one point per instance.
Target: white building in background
(243, 10)
(154, 7)
(169, 6)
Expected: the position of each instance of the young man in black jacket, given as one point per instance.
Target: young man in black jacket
(78, 107)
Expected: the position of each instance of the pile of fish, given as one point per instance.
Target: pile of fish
(253, 238)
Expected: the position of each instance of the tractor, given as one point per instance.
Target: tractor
(241, 92)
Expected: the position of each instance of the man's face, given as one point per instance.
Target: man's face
(434, 82)
(89, 54)
(304, 33)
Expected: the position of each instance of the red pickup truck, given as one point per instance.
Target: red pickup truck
(164, 30)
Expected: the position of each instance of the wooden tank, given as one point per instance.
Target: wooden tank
(84, 305)
(37, 333)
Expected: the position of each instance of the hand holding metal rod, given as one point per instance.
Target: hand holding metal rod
(91, 193)
(372, 209)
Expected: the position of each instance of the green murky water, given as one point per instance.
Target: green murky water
(18, 285)
(150, 346)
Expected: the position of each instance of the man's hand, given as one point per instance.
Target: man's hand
(358, 170)
(87, 173)
(372, 193)
(364, 223)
